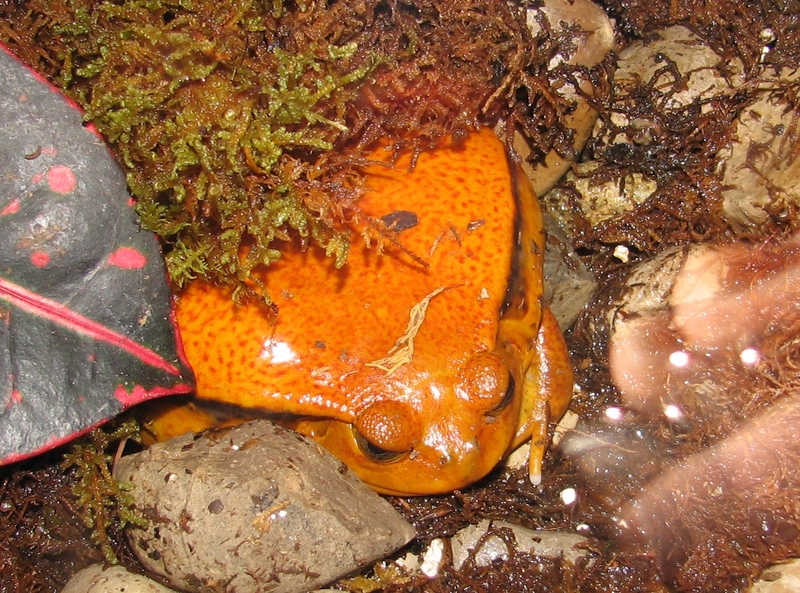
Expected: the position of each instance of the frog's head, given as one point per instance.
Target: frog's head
(424, 433)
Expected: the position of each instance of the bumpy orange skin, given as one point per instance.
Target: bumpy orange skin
(470, 386)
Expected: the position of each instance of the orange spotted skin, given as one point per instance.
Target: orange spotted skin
(440, 410)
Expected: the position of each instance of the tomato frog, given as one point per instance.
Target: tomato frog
(421, 364)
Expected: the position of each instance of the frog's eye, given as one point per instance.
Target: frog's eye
(508, 397)
(385, 430)
(373, 452)
(487, 383)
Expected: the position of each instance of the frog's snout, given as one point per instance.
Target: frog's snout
(460, 434)
(387, 429)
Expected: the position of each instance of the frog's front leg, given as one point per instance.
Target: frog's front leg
(546, 392)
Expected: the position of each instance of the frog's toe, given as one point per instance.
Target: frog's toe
(538, 444)
(535, 464)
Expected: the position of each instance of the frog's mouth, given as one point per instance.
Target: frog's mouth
(423, 471)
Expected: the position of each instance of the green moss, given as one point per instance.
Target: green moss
(202, 176)
(104, 501)
(244, 124)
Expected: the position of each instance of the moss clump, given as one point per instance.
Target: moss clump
(104, 501)
(241, 124)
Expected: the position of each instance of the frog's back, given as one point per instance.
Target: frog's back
(333, 323)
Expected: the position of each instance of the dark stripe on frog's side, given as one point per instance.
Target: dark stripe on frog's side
(521, 312)
(525, 274)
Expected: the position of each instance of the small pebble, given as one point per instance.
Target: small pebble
(780, 578)
(432, 558)
(113, 579)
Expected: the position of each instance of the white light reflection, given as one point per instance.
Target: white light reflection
(277, 352)
(679, 358)
(569, 495)
(614, 413)
(750, 356)
(673, 412)
(279, 515)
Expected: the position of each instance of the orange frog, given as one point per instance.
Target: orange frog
(420, 375)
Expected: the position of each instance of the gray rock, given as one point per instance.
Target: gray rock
(598, 199)
(762, 164)
(550, 544)
(568, 283)
(98, 578)
(255, 508)
(704, 75)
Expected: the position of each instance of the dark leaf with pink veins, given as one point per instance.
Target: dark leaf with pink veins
(86, 320)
